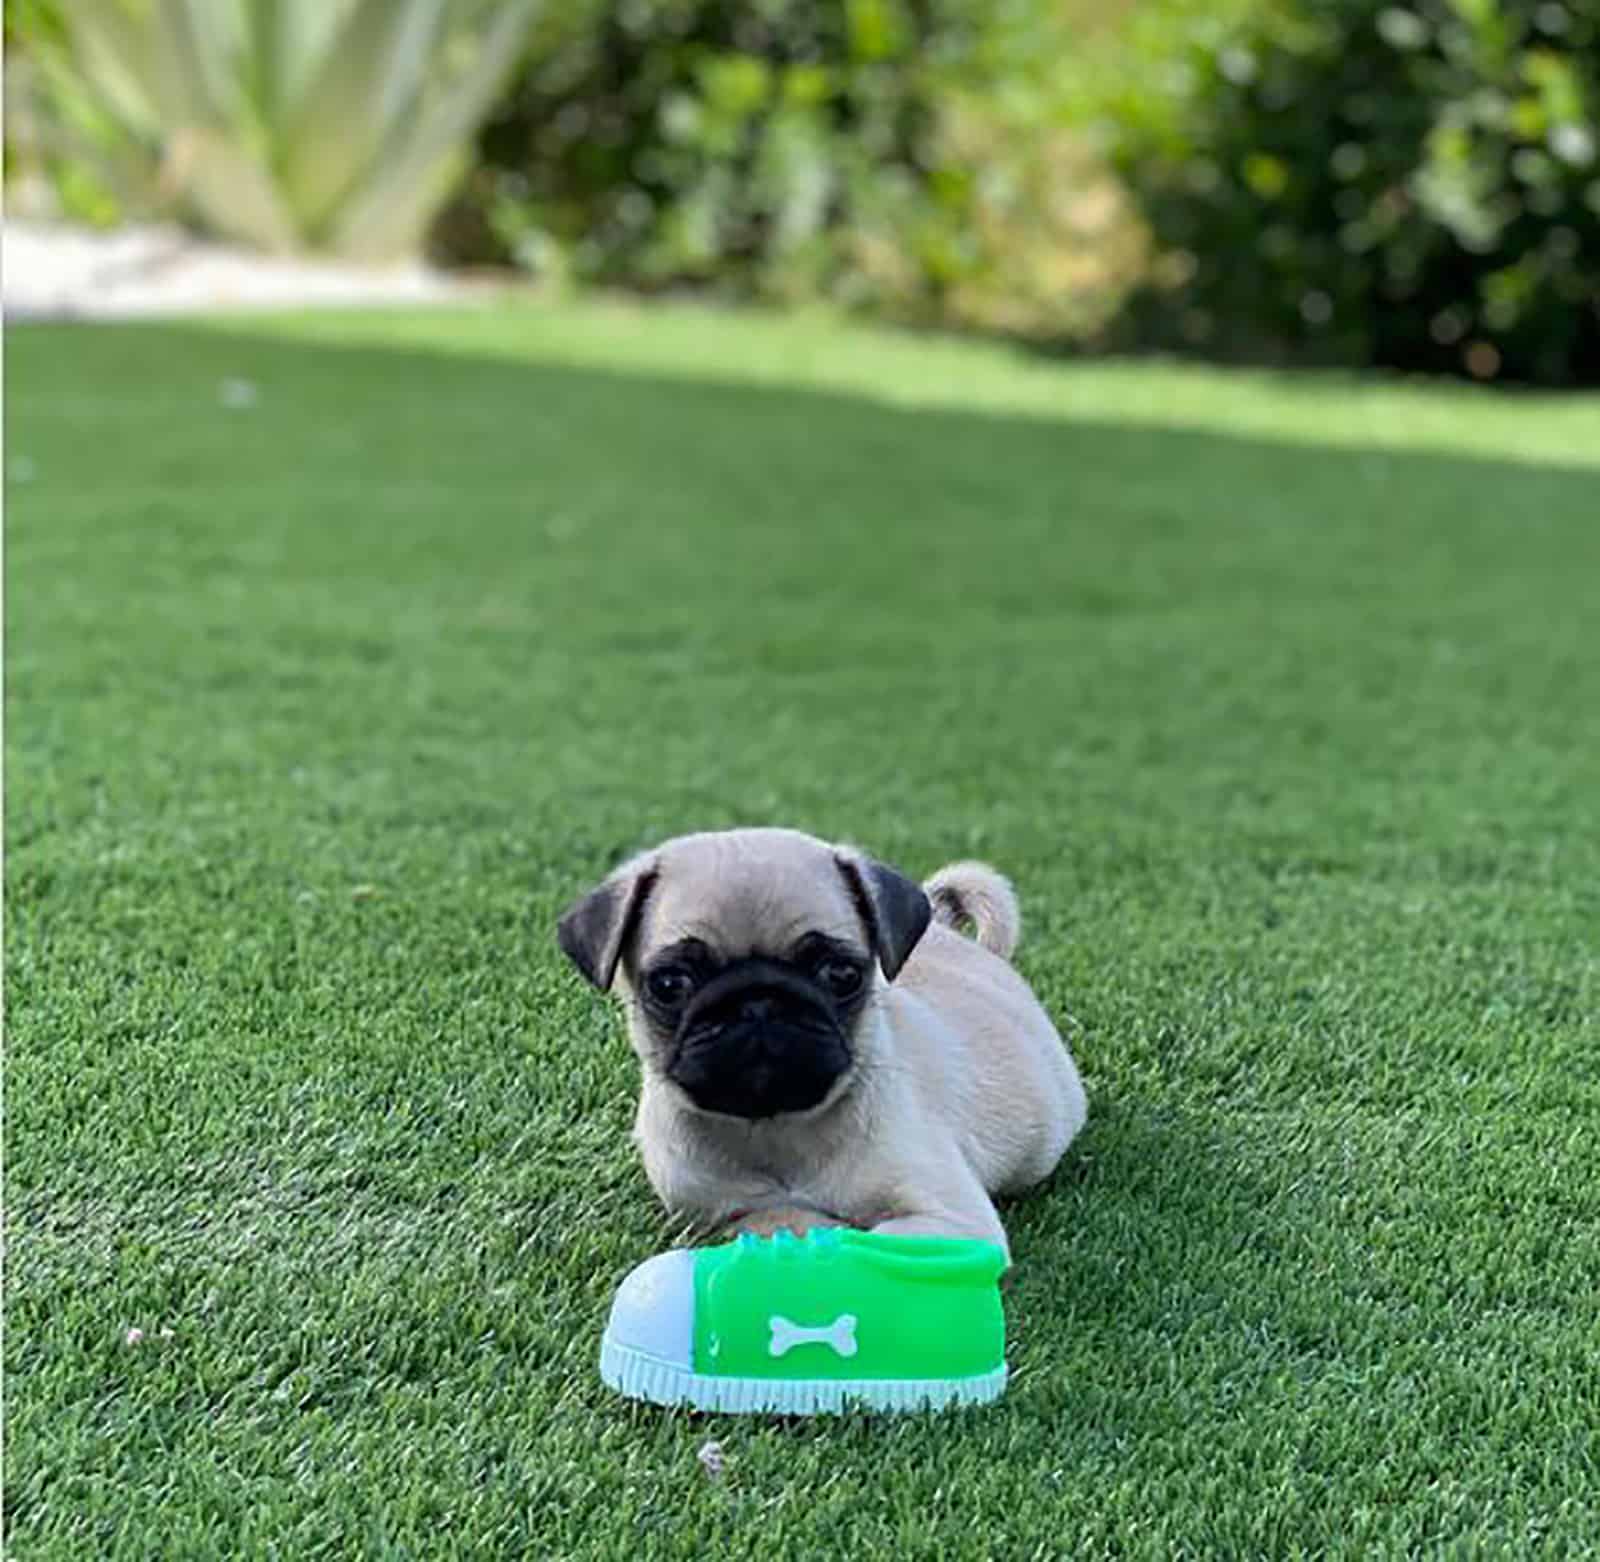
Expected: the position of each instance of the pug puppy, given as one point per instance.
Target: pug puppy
(820, 1043)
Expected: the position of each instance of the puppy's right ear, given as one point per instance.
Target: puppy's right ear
(595, 930)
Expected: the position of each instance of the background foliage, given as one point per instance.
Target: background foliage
(897, 155)
(1349, 182)
(1364, 183)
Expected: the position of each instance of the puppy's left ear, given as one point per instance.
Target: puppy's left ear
(595, 929)
(895, 910)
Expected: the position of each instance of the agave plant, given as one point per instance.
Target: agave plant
(317, 125)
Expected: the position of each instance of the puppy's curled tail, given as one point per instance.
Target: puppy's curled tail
(972, 894)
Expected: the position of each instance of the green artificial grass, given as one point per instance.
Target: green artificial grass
(1279, 699)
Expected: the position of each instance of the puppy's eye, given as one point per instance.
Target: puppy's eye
(840, 977)
(670, 985)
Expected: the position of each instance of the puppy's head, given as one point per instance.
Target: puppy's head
(748, 958)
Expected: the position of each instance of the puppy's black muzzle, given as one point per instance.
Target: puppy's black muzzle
(757, 1040)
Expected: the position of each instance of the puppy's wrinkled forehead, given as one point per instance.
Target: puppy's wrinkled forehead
(749, 892)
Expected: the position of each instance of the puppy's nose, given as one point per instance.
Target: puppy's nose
(761, 1006)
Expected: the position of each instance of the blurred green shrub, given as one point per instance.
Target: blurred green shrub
(1414, 184)
(333, 125)
(895, 155)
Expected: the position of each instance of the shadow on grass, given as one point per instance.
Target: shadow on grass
(230, 363)
(901, 533)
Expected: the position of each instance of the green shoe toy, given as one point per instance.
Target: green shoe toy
(829, 1321)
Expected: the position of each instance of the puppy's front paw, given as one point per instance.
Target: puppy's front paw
(767, 1222)
(974, 1226)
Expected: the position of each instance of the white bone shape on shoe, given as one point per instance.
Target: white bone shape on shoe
(840, 1334)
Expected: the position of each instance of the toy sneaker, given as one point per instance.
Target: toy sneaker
(829, 1321)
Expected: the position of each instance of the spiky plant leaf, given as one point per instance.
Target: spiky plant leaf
(287, 42)
(387, 216)
(193, 68)
(114, 54)
(369, 78)
(233, 194)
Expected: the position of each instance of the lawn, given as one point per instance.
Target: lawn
(326, 690)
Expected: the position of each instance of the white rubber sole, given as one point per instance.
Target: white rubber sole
(640, 1376)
